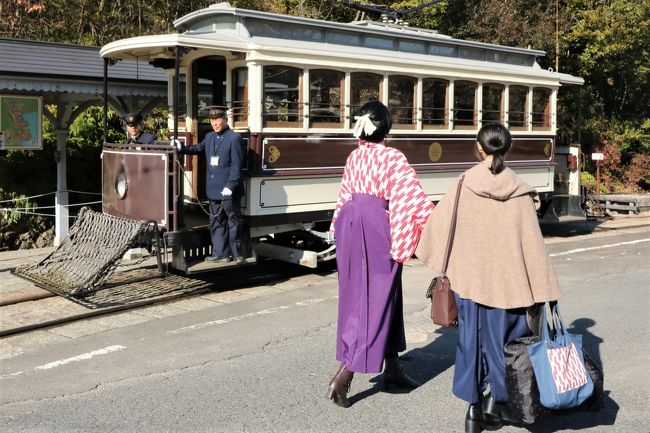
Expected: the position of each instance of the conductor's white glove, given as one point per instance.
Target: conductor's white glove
(177, 143)
(226, 192)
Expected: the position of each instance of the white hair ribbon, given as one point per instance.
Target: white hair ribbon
(364, 124)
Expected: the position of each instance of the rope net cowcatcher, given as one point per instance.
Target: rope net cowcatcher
(90, 253)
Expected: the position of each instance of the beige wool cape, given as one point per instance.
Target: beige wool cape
(498, 258)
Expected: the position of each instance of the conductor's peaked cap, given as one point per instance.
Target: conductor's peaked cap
(216, 111)
(132, 119)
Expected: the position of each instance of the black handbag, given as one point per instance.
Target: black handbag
(443, 305)
(523, 393)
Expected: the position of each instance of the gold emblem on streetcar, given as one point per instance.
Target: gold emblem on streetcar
(274, 154)
(435, 151)
(547, 149)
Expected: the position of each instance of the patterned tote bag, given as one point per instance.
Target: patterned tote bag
(559, 366)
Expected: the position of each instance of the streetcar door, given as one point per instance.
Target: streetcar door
(208, 88)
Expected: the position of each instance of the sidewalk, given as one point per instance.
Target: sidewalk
(15, 289)
(625, 221)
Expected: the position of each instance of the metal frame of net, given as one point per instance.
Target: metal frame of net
(89, 254)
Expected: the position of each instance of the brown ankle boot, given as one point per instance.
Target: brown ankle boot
(394, 376)
(339, 387)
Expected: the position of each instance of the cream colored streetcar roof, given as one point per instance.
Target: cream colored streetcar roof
(365, 45)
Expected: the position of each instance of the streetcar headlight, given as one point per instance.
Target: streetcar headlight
(121, 185)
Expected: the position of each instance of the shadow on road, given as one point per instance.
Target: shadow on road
(422, 364)
(573, 228)
(579, 420)
(582, 420)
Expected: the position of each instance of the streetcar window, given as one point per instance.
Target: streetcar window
(517, 103)
(344, 38)
(411, 46)
(240, 104)
(511, 58)
(443, 50)
(464, 105)
(541, 108)
(365, 87)
(492, 103)
(380, 43)
(264, 28)
(434, 103)
(401, 100)
(326, 98)
(304, 33)
(472, 53)
(282, 98)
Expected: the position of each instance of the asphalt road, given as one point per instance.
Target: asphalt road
(262, 363)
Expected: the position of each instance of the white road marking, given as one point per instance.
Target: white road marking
(580, 250)
(247, 315)
(59, 363)
(10, 375)
(82, 357)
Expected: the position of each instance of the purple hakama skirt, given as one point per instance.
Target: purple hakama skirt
(370, 318)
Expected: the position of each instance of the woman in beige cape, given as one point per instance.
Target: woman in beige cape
(498, 266)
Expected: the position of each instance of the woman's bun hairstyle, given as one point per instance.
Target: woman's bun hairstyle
(380, 117)
(495, 140)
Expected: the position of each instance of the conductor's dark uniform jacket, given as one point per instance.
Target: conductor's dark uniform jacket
(224, 160)
(143, 138)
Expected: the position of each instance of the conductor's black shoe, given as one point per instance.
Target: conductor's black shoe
(217, 259)
(240, 260)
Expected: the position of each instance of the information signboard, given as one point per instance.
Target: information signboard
(21, 122)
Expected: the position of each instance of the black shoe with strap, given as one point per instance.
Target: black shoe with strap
(491, 414)
(473, 418)
(394, 377)
(483, 415)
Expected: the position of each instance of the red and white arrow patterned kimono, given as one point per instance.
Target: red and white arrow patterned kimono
(373, 168)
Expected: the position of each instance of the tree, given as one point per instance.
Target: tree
(611, 45)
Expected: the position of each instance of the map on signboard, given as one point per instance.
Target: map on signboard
(20, 122)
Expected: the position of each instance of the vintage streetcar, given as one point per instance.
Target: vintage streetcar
(293, 87)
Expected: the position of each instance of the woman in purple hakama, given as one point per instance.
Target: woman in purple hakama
(378, 218)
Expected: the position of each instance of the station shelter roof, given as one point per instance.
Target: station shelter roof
(36, 67)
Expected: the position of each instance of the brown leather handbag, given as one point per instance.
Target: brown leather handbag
(443, 304)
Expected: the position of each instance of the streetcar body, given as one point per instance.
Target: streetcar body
(293, 87)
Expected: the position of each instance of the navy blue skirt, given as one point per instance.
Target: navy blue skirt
(482, 334)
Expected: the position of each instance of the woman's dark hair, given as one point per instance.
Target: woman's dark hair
(381, 118)
(495, 140)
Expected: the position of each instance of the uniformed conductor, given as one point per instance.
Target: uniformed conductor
(224, 187)
(135, 130)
